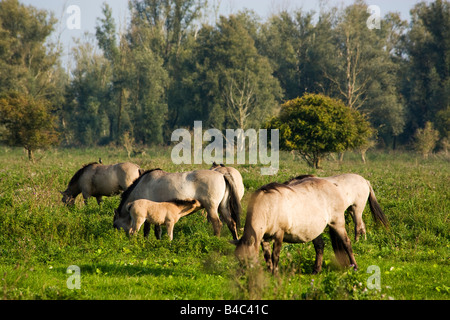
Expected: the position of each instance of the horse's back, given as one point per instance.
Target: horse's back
(347, 179)
(302, 211)
(111, 179)
(126, 173)
(316, 194)
(353, 187)
(202, 185)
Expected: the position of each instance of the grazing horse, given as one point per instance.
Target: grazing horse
(234, 173)
(295, 213)
(356, 191)
(215, 191)
(158, 213)
(97, 180)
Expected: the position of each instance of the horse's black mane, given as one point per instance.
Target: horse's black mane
(276, 185)
(299, 179)
(273, 186)
(130, 189)
(78, 174)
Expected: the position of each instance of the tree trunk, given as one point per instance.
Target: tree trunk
(317, 162)
(119, 114)
(30, 155)
(363, 155)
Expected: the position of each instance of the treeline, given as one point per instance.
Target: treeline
(170, 66)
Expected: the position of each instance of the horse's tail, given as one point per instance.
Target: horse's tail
(233, 200)
(338, 248)
(377, 213)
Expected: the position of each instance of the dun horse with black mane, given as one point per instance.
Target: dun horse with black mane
(97, 180)
(294, 213)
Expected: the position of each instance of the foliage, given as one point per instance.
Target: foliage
(315, 125)
(27, 63)
(85, 113)
(426, 82)
(340, 57)
(237, 87)
(28, 123)
(172, 64)
(31, 80)
(425, 139)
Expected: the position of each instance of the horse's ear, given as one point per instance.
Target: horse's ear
(235, 242)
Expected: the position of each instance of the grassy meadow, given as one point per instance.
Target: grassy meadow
(40, 237)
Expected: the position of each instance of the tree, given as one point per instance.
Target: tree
(231, 83)
(87, 113)
(27, 64)
(339, 56)
(363, 65)
(426, 82)
(168, 28)
(315, 125)
(28, 122)
(117, 55)
(147, 99)
(298, 50)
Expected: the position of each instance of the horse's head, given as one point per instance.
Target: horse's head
(121, 222)
(246, 251)
(67, 198)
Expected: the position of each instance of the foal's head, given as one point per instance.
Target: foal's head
(123, 222)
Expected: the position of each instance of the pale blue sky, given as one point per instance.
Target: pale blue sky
(91, 9)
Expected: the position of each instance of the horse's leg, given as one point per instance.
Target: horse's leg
(170, 224)
(360, 227)
(158, 231)
(356, 211)
(146, 229)
(265, 245)
(351, 211)
(318, 246)
(215, 220)
(276, 251)
(136, 224)
(86, 196)
(99, 200)
(342, 237)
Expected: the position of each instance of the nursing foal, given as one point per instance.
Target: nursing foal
(159, 213)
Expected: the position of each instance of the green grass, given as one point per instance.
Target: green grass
(40, 237)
